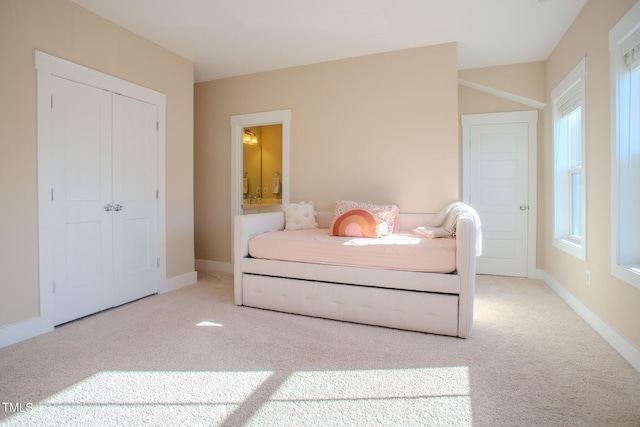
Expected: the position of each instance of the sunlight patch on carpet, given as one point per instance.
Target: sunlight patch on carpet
(424, 396)
(420, 396)
(208, 323)
(155, 397)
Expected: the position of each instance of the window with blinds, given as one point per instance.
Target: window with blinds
(568, 180)
(624, 46)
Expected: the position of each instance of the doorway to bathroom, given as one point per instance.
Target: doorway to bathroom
(247, 126)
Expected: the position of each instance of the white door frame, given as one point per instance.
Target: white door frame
(238, 123)
(48, 66)
(531, 118)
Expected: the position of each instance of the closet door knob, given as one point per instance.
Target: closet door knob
(118, 208)
(108, 207)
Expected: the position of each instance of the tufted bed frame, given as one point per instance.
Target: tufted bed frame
(426, 302)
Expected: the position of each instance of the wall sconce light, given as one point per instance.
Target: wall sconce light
(250, 137)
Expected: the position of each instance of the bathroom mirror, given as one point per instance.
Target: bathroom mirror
(262, 166)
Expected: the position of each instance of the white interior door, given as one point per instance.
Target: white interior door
(499, 193)
(135, 179)
(82, 229)
(499, 181)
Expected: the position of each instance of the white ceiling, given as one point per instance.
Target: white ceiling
(227, 38)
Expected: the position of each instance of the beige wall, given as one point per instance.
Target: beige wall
(612, 300)
(526, 80)
(380, 128)
(63, 29)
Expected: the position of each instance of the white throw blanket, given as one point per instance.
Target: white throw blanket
(443, 224)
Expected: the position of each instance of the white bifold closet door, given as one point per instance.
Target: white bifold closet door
(104, 198)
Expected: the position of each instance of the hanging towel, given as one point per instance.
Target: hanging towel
(276, 186)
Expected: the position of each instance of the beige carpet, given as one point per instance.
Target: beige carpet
(191, 357)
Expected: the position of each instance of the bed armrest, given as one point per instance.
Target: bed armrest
(245, 227)
(466, 266)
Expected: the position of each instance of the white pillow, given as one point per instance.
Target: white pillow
(299, 216)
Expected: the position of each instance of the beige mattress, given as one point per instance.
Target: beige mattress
(408, 252)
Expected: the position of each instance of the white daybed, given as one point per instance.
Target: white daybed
(427, 302)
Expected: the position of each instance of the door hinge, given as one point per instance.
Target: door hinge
(52, 101)
(52, 194)
(54, 286)
(157, 262)
(157, 126)
(157, 194)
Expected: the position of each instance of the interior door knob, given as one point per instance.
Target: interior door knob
(118, 208)
(108, 207)
(524, 207)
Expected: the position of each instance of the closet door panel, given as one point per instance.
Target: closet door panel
(82, 229)
(135, 183)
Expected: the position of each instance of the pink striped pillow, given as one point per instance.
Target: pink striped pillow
(356, 223)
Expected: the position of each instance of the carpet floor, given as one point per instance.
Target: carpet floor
(191, 357)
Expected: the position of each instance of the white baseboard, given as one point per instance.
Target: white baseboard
(619, 343)
(177, 282)
(12, 334)
(20, 331)
(536, 274)
(206, 265)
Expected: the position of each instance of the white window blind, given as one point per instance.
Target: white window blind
(568, 106)
(630, 49)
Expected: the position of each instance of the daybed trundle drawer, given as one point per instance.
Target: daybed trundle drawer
(417, 311)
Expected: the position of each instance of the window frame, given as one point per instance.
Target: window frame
(626, 31)
(570, 91)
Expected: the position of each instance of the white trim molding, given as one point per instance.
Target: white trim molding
(503, 94)
(11, 334)
(619, 343)
(177, 282)
(238, 123)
